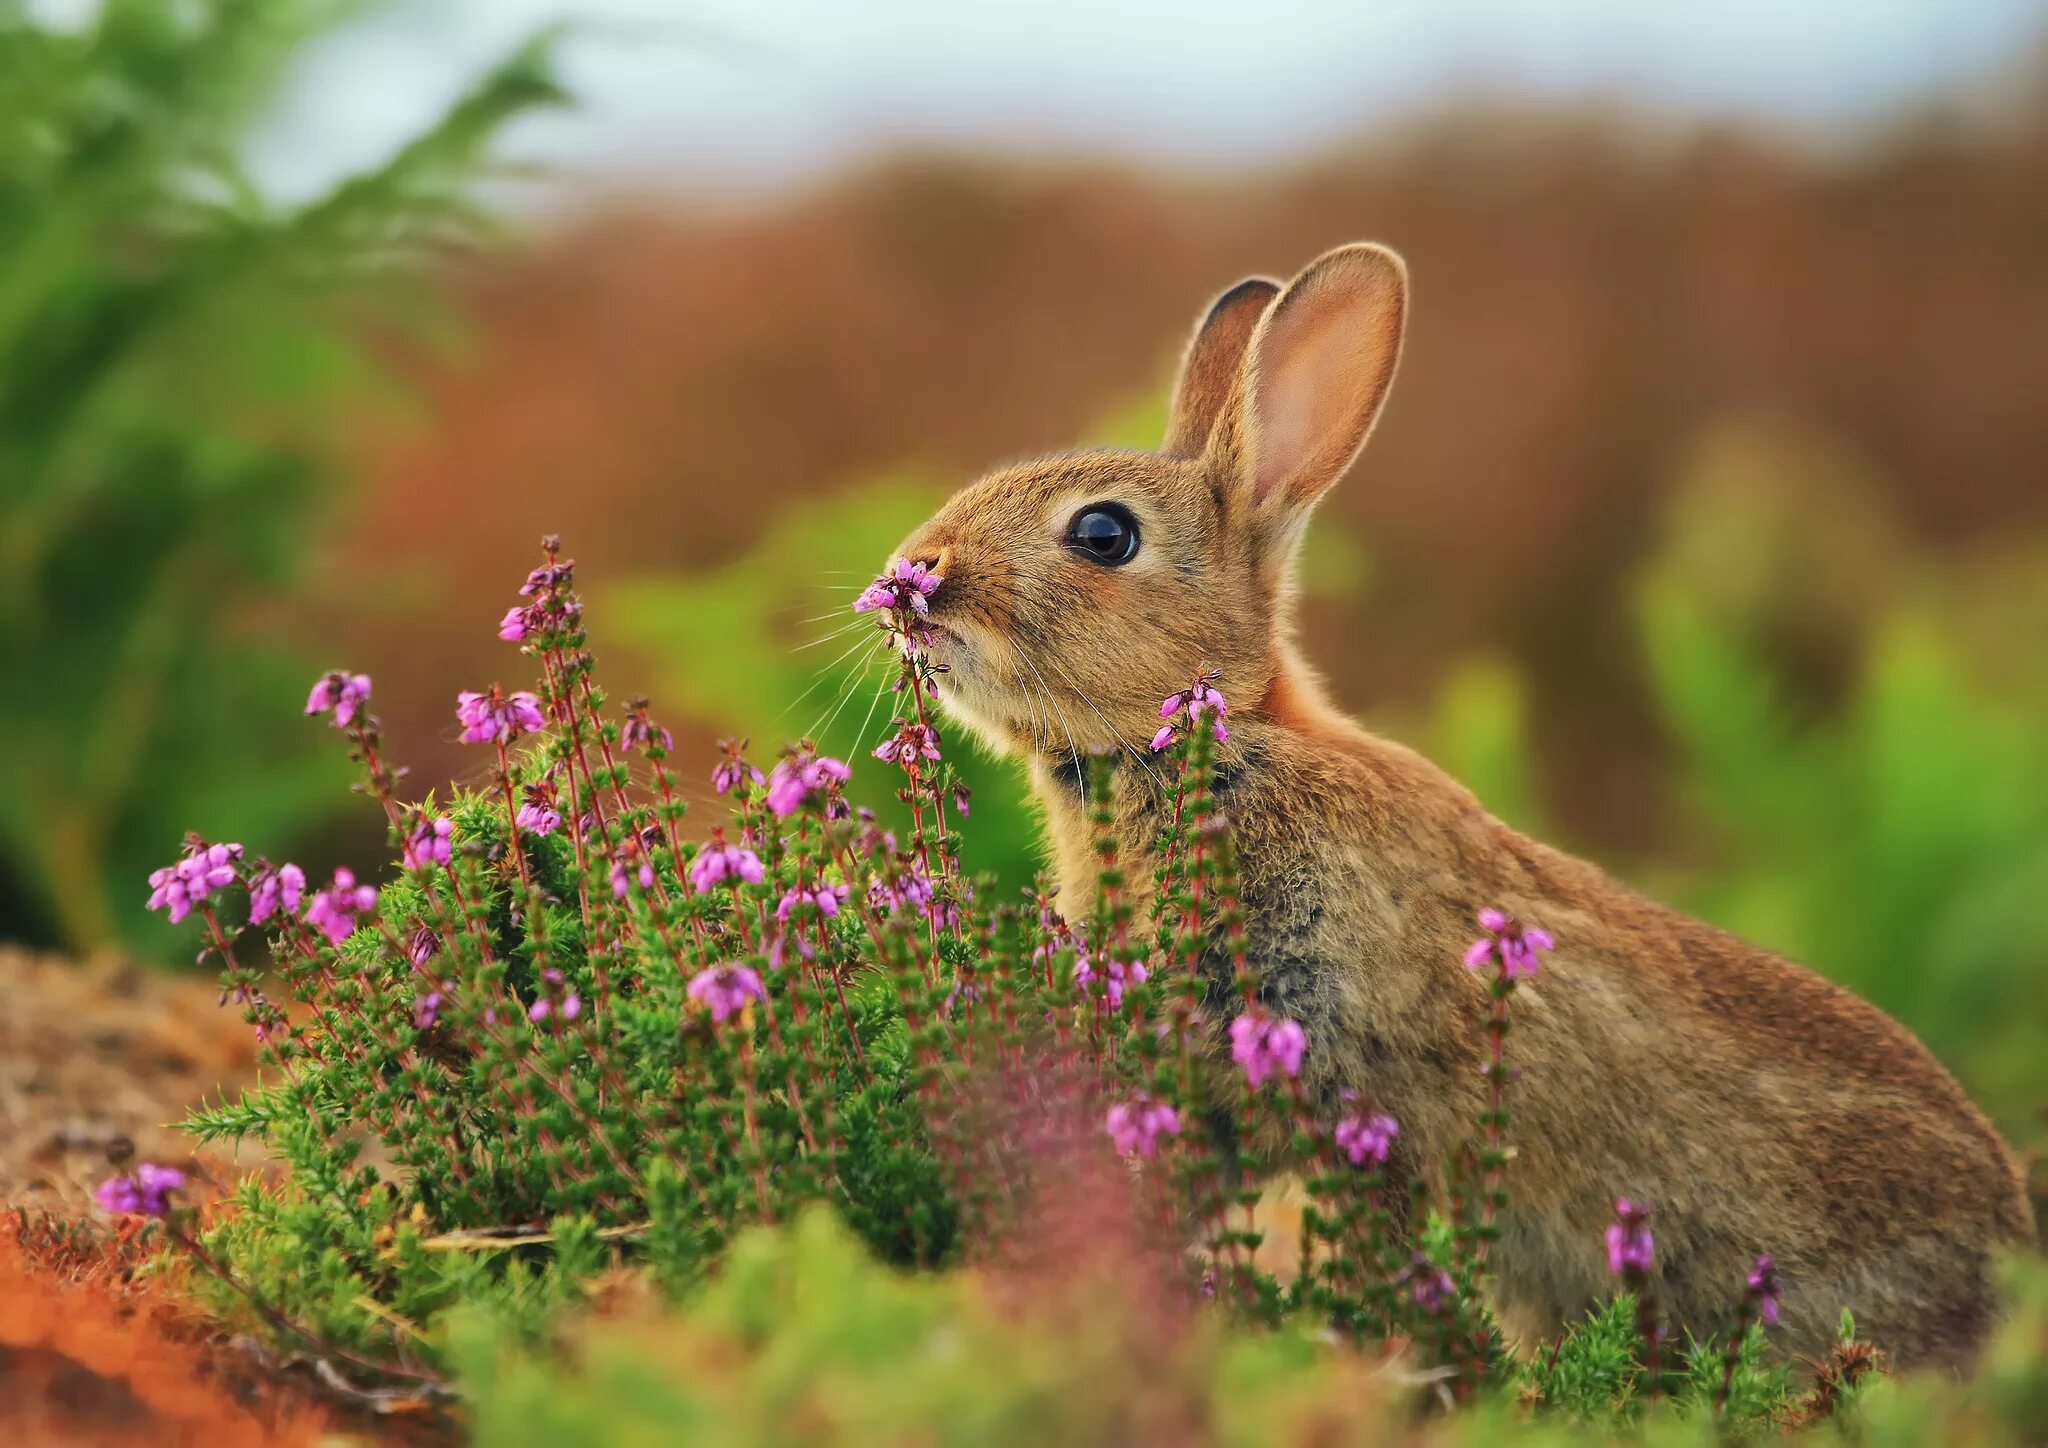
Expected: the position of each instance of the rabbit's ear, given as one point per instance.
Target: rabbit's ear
(1315, 375)
(1212, 363)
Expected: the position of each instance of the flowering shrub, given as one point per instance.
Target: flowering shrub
(562, 1036)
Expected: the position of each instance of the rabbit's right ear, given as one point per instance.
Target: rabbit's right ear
(1209, 368)
(1315, 374)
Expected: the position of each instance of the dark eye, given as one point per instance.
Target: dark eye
(1104, 533)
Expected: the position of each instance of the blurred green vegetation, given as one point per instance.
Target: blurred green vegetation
(180, 362)
(803, 1338)
(1861, 747)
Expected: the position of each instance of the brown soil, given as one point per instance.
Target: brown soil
(94, 1054)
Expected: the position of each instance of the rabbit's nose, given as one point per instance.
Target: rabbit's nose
(937, 561)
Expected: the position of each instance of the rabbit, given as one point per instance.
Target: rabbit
(1756, 1106)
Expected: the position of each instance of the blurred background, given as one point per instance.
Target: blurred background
(1706, 531)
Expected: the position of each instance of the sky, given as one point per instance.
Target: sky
(762, 94)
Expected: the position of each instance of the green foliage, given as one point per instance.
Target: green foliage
(1889, 826)
(173, 350)
(1895, 836)
(804, 1338)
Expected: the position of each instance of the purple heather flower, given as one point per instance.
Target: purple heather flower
(1519, 948)
(204, 869)
(726, 989)
(734, 770)
(143, 1193)
(420, 949)
(629, 863)
(903, 586)
(717, 861)
(1763, 1289)
(1367, 1140)
(828, 899)
(551, 576)
(515, 625)
(1261, 1044)
(539, 819)
(430, 843)
(333, 911)
(909, 744)
(962, 797)
(1136, 1125)
(1630, 1248)
(570, 1008)
(910, 890)
(1116, 976)
(282, 887)
(799, 777)
(1201, 700)
(641, 732)
(426, 1009)
(342, 694)
(1429, 1286)
(497, 717)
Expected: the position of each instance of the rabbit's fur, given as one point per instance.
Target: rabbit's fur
(1758, 1107)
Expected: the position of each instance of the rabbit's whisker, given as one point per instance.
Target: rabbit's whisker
(1143, 763)
(880, 691)
(824, 673)
(1073, 749)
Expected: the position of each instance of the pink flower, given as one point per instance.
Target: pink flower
(1262, 1044)
(726, 989)
(733, 770)
(204, 869)
(629, 862)
(1136, 1125)
(1763, 1289)
(799, 778)
(1367, 1139)
(828, 899)
(426, 1009)
(1517, 947)
(343, 694)
(911, 743)
(497, 717)
(1429, 1286)
(551, 577)
(642, 733)
(1631, 1249)
(717, 861)
(903, 587)
(1116, 975)
(909, 890)
(1201, 700)
(430, 843)
(570, 1008)
(282, 887)
(333, 911)
(515, 625)
(143, 1193)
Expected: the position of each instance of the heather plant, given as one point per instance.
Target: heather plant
(569, 1033)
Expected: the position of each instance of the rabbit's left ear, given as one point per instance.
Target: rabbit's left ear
(1315, 374)
(1210, 366)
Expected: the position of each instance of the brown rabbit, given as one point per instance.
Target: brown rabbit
(1758, 1107)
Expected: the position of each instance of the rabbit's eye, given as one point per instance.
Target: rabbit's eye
(1104, 533)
